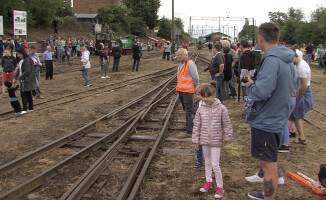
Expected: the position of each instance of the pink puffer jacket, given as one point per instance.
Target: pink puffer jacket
(212, 125)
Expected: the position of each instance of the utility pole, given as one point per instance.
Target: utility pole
(172, 27)
(253, 32)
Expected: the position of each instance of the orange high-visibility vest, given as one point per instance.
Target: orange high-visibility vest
(185, 82)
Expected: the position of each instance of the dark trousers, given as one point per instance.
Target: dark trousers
(188, 106)
(16, 106)
(166, 54)
(27, 98)
(49, 69)
(116, 62)
(73, 51)
(136, 64)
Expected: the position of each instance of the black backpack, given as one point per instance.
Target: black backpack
(322, 175)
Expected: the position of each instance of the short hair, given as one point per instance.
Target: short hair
(83, 48)
(217, 46)
(209, 90)
(295, 46)
(270, 32)
(184, 50)
(225, 43)
(33, 47)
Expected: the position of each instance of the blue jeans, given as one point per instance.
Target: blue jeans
(261, 172)
(136, 64)
(321, 62)
(232, 86)
(38, 89)
(199, 154)
(285, 137)
(85, 75)
(219, 89)
(308, 58)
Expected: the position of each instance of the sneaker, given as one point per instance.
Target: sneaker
(284, 149)
(281, 181)
(30, 111)
(89, 84)
(254, 179)
(256, 195)
(107, 77)
(219, 193)
(23, 112)
(102, 76)
(3, 95)
(198, 165)
(206, 187)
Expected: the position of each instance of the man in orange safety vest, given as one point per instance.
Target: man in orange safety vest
(188, 79)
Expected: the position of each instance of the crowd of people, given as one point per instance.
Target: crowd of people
(276, 98)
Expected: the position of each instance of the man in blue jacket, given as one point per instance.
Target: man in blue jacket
(271, 93)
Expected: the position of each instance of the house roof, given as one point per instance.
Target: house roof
(86, 16)
(206, 36)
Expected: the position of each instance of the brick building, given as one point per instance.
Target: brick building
(91, 6)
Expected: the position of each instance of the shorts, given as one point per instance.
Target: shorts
(264, 145)
(7, 76)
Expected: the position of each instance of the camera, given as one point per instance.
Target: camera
(244, 79)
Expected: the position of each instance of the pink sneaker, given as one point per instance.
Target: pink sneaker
(206, 187)
(219, 193)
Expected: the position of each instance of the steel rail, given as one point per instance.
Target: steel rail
(159, 73)
(64, 140)
(132, 177)
(153, 151)
(37, 181)
(77, 191)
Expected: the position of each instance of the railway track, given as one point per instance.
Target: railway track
(86, 141)
(317, 119)
(93, 91)
(116, 134)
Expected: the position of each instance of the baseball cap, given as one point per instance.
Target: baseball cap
(244, 43)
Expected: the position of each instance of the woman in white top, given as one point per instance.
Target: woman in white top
(86, 65)
(304, 100)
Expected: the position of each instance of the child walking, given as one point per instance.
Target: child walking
(212, 128)
(13, 97)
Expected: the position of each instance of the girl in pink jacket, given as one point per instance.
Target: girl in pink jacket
(212, 128)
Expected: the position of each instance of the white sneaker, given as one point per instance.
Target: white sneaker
(107, 77)
(256, 179)
(23, 112)
(30, 111)
(102, 76)
(281, 181)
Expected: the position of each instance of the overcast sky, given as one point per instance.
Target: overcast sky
(234, 8)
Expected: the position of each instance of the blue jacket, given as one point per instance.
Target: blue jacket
(273, 90)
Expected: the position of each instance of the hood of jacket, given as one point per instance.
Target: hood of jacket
(281, 52)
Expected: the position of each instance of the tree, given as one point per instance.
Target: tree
(145, 9)
(165, 28)
(278, 18)
(318, 14)
(247, 31)
(115, 16)
(295, 14)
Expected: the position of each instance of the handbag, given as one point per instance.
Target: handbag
(81, 68)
